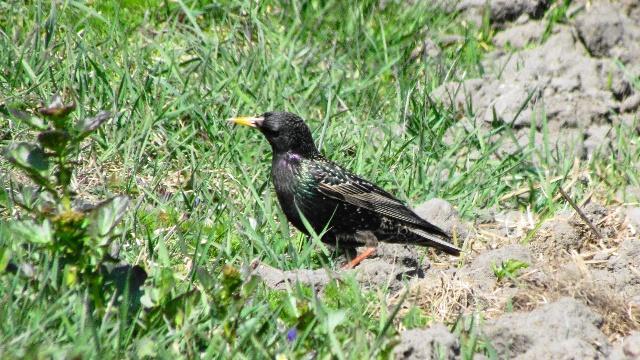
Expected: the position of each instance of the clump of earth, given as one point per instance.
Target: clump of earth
(571, 83)
(578, 293)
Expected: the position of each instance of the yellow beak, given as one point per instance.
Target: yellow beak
(252, 121)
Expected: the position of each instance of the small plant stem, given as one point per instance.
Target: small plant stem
(580, 213)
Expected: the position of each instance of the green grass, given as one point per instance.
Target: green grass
(172, 71)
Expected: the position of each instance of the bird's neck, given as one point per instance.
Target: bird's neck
(288, 158)
(299, 153)
(308, 149)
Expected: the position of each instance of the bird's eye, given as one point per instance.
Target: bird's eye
(270, 130)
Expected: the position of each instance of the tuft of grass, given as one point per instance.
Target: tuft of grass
(508, 269)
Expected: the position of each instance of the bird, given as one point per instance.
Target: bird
(346, 209)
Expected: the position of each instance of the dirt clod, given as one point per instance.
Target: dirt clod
(520, 36)
(378, 273)
(279, 280)
(502, 11)
(556, 235)
(621, 272)
(480, 272)
(441, 213)
(436, 342)
(628, 348)
(633, 219)
(548, 330)
(607, 31)
(572, 348)
(571, 80)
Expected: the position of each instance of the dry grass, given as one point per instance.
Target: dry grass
(556, 273)
(620, 316)
(443, 296)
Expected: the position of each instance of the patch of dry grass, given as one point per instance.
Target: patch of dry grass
(556, 273)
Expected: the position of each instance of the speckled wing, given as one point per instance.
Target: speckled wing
(340, 184)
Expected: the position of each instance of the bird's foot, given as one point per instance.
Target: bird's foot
(358, 259)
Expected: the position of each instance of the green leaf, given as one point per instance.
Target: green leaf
(163, 254)
(5, 257)
(290, 307)
(55, 140)
(514, 265)
(145, 347)
(87, 125)
(5, 202)
(250, 286)
(107, 215)
(64, 177)
(508, 268)
(150, 297)
(29, 157)
(335, 318)
(204, 277)
(70, 275)
(231, 278)
(29, 230)
(57, 109)
(33, 121)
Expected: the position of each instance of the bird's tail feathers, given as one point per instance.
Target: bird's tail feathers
(439, 241)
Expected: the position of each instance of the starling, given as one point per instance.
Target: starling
(348, 210)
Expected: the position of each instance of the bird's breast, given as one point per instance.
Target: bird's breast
(289, 181)
(286, 172)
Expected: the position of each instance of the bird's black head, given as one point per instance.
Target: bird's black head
(286, 132)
